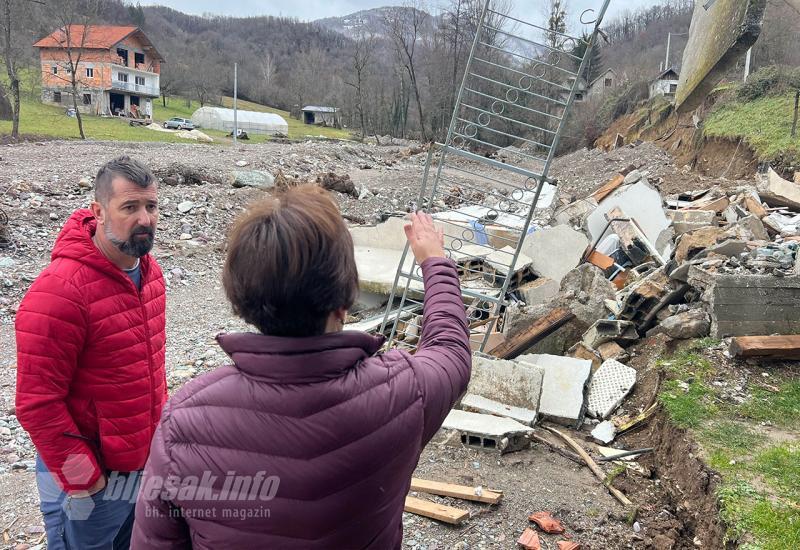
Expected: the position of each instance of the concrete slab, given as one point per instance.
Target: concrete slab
(506, 382)
(686, 221)
(483, 405)
(539, 291)
(719, 35)
(488, 432)
(605, 432)
(575, 213)
(555, 251)
(609, 330)
(565, 380)
(611, 383)
(642, 202)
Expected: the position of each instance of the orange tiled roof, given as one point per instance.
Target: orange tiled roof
(97, 37)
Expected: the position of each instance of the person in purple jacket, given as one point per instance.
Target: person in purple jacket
(309, 439)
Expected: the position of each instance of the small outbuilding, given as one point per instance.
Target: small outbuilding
(252, 122)
(326, 116)
(665, 84)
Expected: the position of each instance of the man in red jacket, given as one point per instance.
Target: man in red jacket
(90, 353)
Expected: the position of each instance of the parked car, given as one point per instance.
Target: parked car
(177, 123)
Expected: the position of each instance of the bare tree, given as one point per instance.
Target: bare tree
(13, 14)
(268, 69)
(404, 25)
(76, 18)
(360, 59)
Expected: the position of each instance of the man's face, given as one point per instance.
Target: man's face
(129, 219)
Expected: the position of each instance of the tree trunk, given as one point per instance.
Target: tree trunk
(75, 106)
(164, 99)
(419, 103)
(15, 107)
(796, 105)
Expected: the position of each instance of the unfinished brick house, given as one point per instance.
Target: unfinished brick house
(118, 72)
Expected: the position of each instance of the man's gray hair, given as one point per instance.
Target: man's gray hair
(123, 167)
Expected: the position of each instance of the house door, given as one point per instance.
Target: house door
(308, 118)
(117, 103)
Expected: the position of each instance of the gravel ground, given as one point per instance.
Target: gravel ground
(40, 187)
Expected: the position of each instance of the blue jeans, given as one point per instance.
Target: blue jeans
(102, 521)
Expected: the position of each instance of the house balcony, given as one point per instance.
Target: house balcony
(149, 88)
(132, 87)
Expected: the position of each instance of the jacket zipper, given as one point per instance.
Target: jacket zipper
(149, 353)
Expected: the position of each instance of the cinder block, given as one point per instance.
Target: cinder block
(488, 432)
(565, 380)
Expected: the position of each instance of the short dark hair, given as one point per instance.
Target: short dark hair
(290, 263)
(124, 167)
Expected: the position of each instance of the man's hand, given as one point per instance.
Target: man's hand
(98, 486)
(426, 241)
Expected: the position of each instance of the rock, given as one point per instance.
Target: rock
(185, 206)
(632, 177)
(12, 458)
(85, 183)
(241, 163)
(583, 291)
(612, 350)
(53, 216)
(340, 184)
(6, 262)
(5, 432)
(694, 323)
(605, 432)
(251, 178)
(696, 241)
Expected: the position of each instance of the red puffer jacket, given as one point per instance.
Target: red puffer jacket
(90, 360)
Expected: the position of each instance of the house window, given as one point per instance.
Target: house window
(579, 97)
(89, 72)
(122, 77)
(673, 88)
(140, 81)
(56, 97)
(87, 99)
(123, 55)
(607, 83)
(54, 68)
(138, 58)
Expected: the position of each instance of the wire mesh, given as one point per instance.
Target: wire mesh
(488, 178)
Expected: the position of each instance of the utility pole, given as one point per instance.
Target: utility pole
(747, 64)
(235, 94)
(666, 59)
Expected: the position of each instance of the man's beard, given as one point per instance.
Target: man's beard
(133, 246)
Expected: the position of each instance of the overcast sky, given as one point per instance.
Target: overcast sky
(309, 10)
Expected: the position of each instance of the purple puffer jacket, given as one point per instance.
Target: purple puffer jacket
(329, 429)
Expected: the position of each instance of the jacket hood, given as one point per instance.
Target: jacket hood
(299, 360)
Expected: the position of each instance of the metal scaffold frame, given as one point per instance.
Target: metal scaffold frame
(517, 91)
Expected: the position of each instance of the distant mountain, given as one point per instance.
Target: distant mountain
(369, 21)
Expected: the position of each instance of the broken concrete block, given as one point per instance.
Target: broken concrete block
(694, 323)
(685, 221)
(583, 291)
(632, 177)
(605, 432)
(483, 405)
(609, 330)
(582, 351)
(611, 383)
(575, 213)
(565, 380)
(252, 178)
(749, 228)
(642, 202)
(692, 243)
(776, 191)
(540, 291)
(729, 248)
(555, 251)
(507, 382)
(612, 350)
(488, 432)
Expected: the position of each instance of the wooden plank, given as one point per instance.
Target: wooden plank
(608, 188)
(632, 245)
(536, 332)
(717, 205)
(439, 512)
(457, 491)
(775, 347)
(600, 260)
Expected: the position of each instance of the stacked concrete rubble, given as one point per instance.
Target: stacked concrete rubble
(624, 264)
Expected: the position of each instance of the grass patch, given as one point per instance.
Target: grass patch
(687, 404)
(758, 521)
(780, 408)
(780, 467)
(764, 124)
